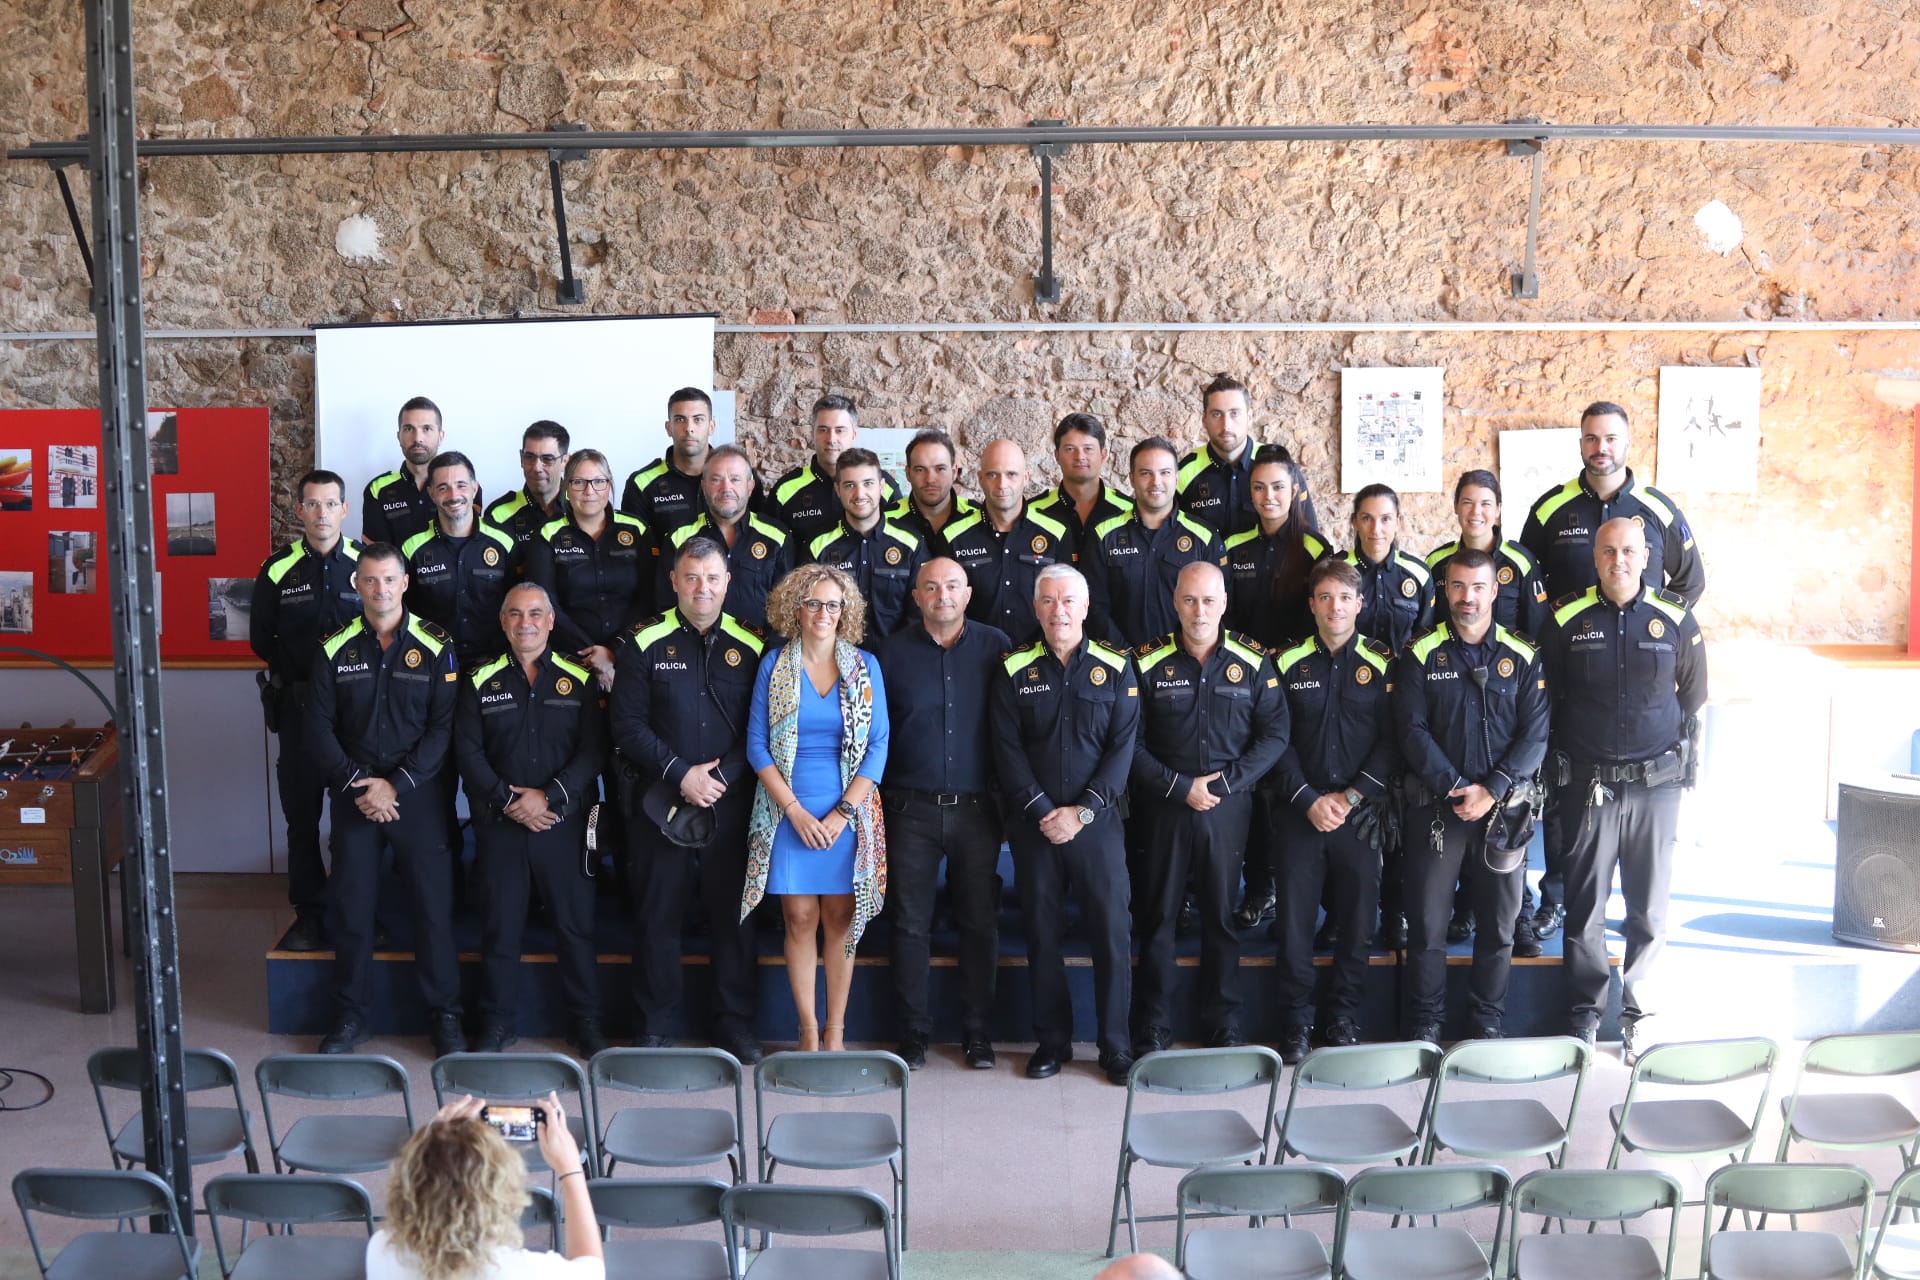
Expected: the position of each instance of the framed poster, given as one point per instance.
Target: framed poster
(1390, 428)
(1709, 429)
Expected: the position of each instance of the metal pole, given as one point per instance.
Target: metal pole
(128, 500)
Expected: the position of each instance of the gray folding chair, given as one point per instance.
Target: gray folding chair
(1506, 1128)
(335, 1143)
(656, 1204)
(213, 1133)
(1256, 1192)
(1592, 1196)
(523, 1078)
(662, 1137)
(1701, 1127)
(542, 1214)
(1854, 1121)
(1791, 1189)
(1896, 1247)
(1365, 1133)
(834, 1139)
(100, 1195)
(1415, 1252)
(809, 1211)
(286, 1200)
(1187, 1139)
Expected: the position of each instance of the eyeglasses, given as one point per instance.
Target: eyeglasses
(544, 459)
(823, 606)
(592, 483)
(328, 505)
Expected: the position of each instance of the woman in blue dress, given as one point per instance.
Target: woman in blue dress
(817, 738)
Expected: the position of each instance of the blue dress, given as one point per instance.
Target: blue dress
(816, 778)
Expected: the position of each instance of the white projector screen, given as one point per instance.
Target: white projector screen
(606, 380)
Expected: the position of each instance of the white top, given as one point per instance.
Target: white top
(385, 1262)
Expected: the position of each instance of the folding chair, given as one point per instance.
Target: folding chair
(1854, 1121)
(809, 1211)
(1365, 1133)
(1506, 1128)
(670, 1137)
(285, 1199)
(834, 1139)
(1414, 1252)
(100, 1194)
(1791, 1189)
(1257, 1192)
(542, 1214)
(1187, 1139)
(1692, 1126)
(1592, 1196)
(354, 1143)
(213, 1133)
(1896, 1247)
(652, 1204)
(522, 1078)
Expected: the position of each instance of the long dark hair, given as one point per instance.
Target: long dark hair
(1287, 577)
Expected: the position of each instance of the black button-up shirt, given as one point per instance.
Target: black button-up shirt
(382, 713)
(548, 732)
(1131, 571)
(1002, 567)
(681, 696)
(907, 516)
(393, 508)
(298, 597)
(1623, 681)
(1226, 716)
(1063, 735)
(1454, 732)
(522, 516)
(1520, 595)
(599, 585)
(460, 584)
(1219, 493)
(805, 500)
(1059, 504)
(937, 701)
(883, 562)
(1341, 720)
(1267, 583)
(761, 554)
(1396, 597)
(663, 497)
(1560, 528)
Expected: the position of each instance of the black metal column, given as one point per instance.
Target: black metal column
(120, 344)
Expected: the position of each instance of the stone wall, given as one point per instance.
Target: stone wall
(1368, 232)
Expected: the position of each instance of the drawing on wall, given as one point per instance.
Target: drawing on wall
(229, 608)
(71, 566)
(73, 476)
(16, 479)
(163, 443)
(1390, 429)
(1532, 462)
(190, 525)
(1709, 429)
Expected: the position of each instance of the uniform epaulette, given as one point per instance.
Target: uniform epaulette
(822, 542)
(1115, 658)
(350, 548)
(1245, 646)
(433, 637)
(899, 510)
(1117, 498)
(651, 629)
(1572, 604)
(508, 506)
(1374, 653)
(1413, 565)
(1288, 657)
(1153, 650)
(1240, 539)
(1665, 601)
(1441, 552)
(1518, 554)
(572, 668)
(646, 475)
(1190, 466)
(1554, 499)
(1657, 502)
(487, 670)
(745, 632)
(1111, 523)
(1316, 545)
(960, 524)
(381, 483)
(1021, 657)
(621, 517)
(1514, 640)
(552, 527)
(330, 644)
(905, 537)
(1193, 526)
(498, 534)
(418, 541)
(791, 483)
(1046, 522)
(1429, 640)
(280, 562)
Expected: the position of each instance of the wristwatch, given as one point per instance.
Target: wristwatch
(845, 810)
(1085, 815)
(1353, 797)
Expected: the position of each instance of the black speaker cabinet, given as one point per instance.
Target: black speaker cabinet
(1876, 890)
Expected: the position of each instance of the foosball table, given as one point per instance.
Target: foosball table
(60, 824)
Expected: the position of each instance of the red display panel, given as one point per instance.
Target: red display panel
(211, 522)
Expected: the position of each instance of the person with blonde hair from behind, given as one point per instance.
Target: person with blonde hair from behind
(458, 1190)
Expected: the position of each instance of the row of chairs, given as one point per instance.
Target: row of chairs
(282, 1202)
(1561, 1197)
(1455, 1116)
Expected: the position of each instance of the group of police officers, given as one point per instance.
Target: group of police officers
(1158, 701)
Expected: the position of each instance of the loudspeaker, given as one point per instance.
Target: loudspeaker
(1876, 890)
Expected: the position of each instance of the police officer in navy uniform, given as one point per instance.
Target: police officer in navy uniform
(678, 713)
(458, 570)
(1629, 677)
(1063, 721)
(1137, 559)
(1213, 721)
(1216, 481)
(1396, 587)
(1006, 544)
(1340, 756)
(807, 499)
(1083, 502)
(304, 591)
(596, 565)
(396, 504)
(543, 498)
(758, 550)
(530, 738)
(883, 557)
(931, 502)
(665, 494)
(1470, 703)
(380, 733)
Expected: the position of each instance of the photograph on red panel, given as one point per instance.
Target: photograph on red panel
(16, 479)
(73, 477)
(72, 569)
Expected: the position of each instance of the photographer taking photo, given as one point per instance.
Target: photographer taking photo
(458, 1190)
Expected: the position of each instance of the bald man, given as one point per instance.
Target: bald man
(1005, 543)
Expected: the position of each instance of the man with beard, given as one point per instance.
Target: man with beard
(932, 503)
(666, 494)
(1083, 500)
(882, 556)
(759, 552)
(543, 462)
(396, 504)
(1137, 559)
(459, 568)
(807, 499)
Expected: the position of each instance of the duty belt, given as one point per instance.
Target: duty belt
(1630, 771)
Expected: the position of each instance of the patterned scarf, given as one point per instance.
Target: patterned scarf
(783, 739)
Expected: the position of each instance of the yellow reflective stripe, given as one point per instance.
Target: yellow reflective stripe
(1567, 492)
(1239, 647)
(1112, 657)
(418, 629)
(331, 645)
(1300, 651)
(1676, 612)
(669, 622)
(1573, 608)
(1047, 522)
(1148, 659)
(1427, 643)
(277, 569)
(1503, 636)
(482, 674)
(739, 632)
(1021, 657)
(572, 668)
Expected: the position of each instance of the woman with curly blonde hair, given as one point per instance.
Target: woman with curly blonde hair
(458, 1190)
(817, 737)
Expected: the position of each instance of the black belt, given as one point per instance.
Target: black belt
(1630, 771)
(942, 799)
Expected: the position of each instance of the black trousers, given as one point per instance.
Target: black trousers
(663, 876)
(1562, 824)
(966, 833)
(1210, 846)
(1634, 831)
(1093, 866)
(418, 839)
(1263, 855)
(302, 794)
(1343, 870)
(1430, 879)
(511, 860)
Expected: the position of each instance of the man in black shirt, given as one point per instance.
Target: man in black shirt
(459, 568)
(666, 493)
(1083, 501)
(759, 551)
(1136, 559)
(396, 504)
(807, 499)
(543, 462)
(303, 592)
(380, 726)
(883, 557)
(932, 503)
(1005, 544)
(1216, 481)
(939, 801)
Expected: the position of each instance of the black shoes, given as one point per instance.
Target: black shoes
(444, 1033)
(1526, 943)
(1047, 1060)
(1460, 928)
(1295, 1045)
(1548, 919)
(305, 935)
(913, 1052)
(1226, 1037)
(1485, 1031)
(979, 1051)
(1340, 1033)
(1255, 906)
(1151, 1040)
(649, 1040)
(494, 1037)
(347, 1034)
(587, 1037)
(743, 1045)
(1327, 937)
(1118, 1067)
(1393, 932)
(1428, 1031)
